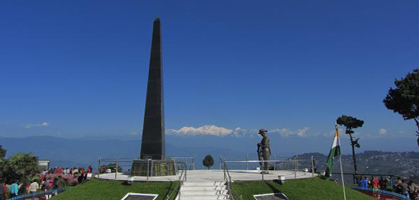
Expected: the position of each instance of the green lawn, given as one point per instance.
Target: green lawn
(313, 188)
(102, 189)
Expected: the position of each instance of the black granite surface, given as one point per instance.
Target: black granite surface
(153, 141)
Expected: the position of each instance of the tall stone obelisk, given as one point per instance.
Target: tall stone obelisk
(153, 142)
(152, 160)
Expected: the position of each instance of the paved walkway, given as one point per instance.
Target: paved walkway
(215, 175)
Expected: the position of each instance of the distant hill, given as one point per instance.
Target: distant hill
(403, 164)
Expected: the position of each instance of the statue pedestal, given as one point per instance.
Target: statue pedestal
(154, 168)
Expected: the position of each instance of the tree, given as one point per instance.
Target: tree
(404, 99)
(2, 153)
(2, 160)
(351, 123)
(208, 161)
(21, 166)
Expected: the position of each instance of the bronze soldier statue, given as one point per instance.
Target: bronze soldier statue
(264, 151)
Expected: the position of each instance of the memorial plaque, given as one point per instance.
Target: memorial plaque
(139, 196)
(271, 196)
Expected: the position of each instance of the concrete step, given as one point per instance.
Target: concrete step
(217, 183)
(203, 188)
(204, 197)
(204, 193)
(209, 190)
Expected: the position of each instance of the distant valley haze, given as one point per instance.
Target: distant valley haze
(87, 150)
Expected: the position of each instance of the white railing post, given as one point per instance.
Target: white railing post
(148, 168)
(152, 168)
(295, 167)
(275, 162)
(116, 170)
(247, 161)
(193, 162)
(224, 170)
(297, 163)
(220, 160)
(263, 169)
(186, 162)
(98, 169)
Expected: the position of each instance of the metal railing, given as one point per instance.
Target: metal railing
(228, 180)
(291, 165)
(248, 163)
(385, 192)
(354, 178)
(126, 163)
(190, 161)
(182, 178)
(119, 163)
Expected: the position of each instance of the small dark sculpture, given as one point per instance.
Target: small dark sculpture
(264, 151)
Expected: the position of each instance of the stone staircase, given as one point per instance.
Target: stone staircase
(209, 190)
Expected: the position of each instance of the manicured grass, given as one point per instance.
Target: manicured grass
(313, 189)
(102, 189)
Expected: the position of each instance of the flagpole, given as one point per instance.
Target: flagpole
(341, 174)
(341, 168)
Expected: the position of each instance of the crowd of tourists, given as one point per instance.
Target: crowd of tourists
(48, 181)
(407, 188)
(19, 188)
(400, 186)
(75, 170)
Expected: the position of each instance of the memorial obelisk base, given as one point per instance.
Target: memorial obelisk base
(154, 168)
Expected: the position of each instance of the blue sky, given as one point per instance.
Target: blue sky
(79, 68)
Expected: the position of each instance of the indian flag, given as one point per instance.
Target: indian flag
(335, 151)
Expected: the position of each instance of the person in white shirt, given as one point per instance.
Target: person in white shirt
(34, 187)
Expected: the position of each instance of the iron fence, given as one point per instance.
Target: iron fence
(39, 194)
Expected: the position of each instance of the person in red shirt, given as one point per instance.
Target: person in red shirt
(2, 190)
(375, 185)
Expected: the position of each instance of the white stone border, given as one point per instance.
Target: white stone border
(138, 194)
(269, 194)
